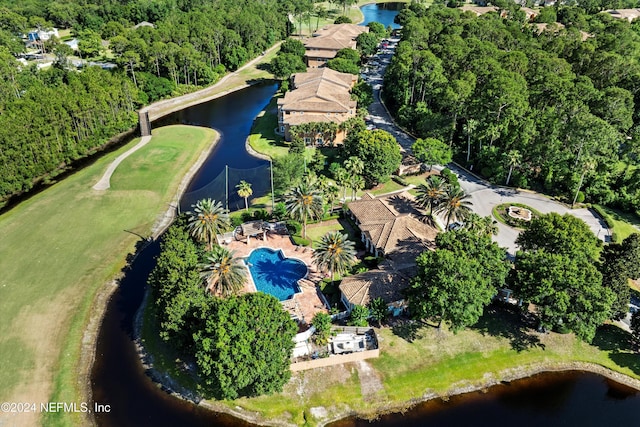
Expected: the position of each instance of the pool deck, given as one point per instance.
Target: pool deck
(303, 305)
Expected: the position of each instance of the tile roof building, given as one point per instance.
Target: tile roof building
(320, 95)
(390, 227)
(326, 43)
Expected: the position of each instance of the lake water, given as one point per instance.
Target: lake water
(551, 400)
(383, 13)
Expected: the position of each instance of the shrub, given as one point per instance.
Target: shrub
(294, 227)
(580, 197)
(400, 180)
(343, 20)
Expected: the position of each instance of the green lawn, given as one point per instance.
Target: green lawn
(416, 360)
(62, 245)
(316, 231)
(624, 223)
(263, 138)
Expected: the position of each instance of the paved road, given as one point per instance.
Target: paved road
(484, 196)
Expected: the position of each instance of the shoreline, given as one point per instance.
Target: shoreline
(105, 292)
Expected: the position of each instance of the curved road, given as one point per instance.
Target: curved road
(484, 196)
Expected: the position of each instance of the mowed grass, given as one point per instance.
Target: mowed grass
(59, 247)
(420, 359)
(624, 223)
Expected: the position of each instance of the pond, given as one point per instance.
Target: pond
(383, 13)
(553, 399)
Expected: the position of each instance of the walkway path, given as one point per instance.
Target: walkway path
(484, 195)
(229, 83)
(105, 181)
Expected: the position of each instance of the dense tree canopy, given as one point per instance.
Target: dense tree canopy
(457, 280)
(244, 346)
(621, 262)
(379, 151)
(566, 290)
(241, 344)
(564, 235)
(49, 118)
(566, 101)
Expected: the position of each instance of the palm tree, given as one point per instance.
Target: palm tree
(469, 129)
(331, 194)
(356, 182)
(481, 225)
(430, 193)
(588, 165)
(513, 158)
(244, 191)
(335, 252)
(342, 178)
(223, 274)
(354, 165)
(207, 220)
(304, 202)
(454, 205)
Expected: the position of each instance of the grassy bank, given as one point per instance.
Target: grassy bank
(59, 247)
(420, 360)
(622, 224)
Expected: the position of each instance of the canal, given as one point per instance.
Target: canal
(119, 379)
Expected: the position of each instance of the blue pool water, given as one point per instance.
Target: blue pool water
(275, 274)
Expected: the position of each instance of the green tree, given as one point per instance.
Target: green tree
(431, 151)
(635, 327)
(243, 347)
(342, 65)
(349, 54)
(563, 235)
(454, 205)
(335, 252)
(222, 273)
(379, 310)
(176, 286)
(367, 43)
(449, 287)
(304, 202)
(358, 316)
(380, 152)
(207, 220)
(513, 159)
(244, 191)
(621, 262)
(322, 322)
(285, 64)
(342, 20)
(431, 193)
(293, 46)
(288, 171)
(567, 291)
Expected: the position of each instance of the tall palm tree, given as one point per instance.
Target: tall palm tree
(331, 194)
(335, 252)
(304, 202)
(356, 182)
(222, 273)
(454, 205)
(342, 178)
(207, 220)
(244, 191)
(513, 158)
(430, 194)
(354, 165)
(469, 129)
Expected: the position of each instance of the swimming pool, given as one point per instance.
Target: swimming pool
(275, 274)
